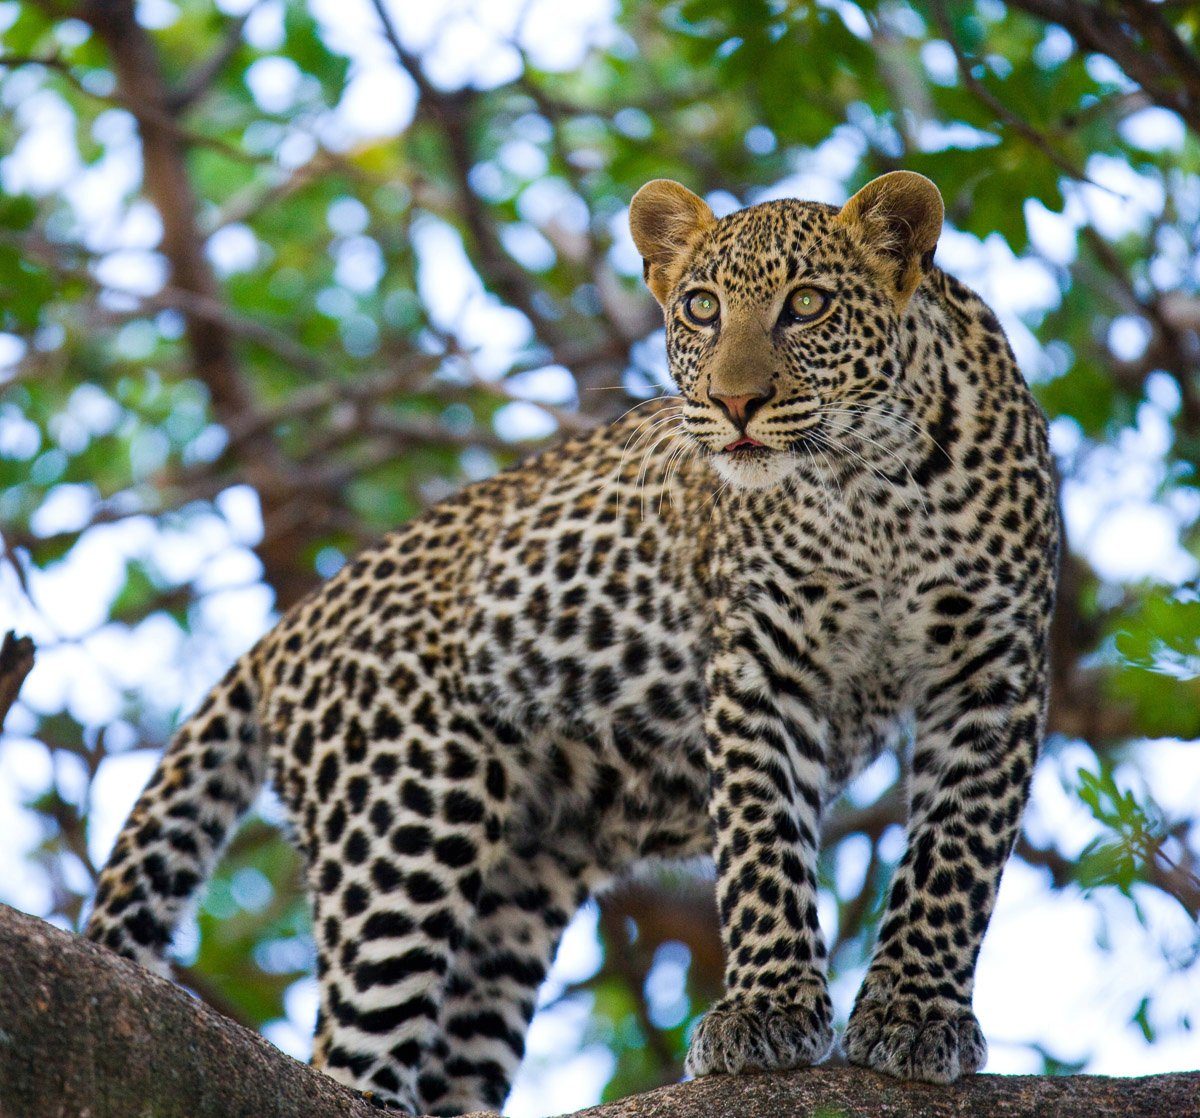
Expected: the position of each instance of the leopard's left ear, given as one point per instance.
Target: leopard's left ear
(666, 219)
(898, 218)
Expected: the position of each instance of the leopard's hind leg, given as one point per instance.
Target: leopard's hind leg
(526, 903)
(398, 854)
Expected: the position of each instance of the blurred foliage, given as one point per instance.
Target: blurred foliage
(403, 265)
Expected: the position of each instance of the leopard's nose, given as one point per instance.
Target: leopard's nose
(740, 409)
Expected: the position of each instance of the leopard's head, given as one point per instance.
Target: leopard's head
(782, 319)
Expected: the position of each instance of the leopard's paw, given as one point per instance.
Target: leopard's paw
(756, 1034)
(933, 1040)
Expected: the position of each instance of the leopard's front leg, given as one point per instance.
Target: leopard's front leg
(766, 755)
(977, 741)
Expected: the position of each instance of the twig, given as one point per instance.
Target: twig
(1010, 119)
(451, 112)
(16, 662)
(1168, 73)
(201, 80)
(1178, 881)
(143, 113)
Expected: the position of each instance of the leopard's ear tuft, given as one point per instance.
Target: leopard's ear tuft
(666, 219)
(898, 218)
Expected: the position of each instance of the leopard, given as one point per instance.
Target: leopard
(678, 636)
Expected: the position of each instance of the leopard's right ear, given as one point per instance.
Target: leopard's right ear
(898, 219)
(666, 219)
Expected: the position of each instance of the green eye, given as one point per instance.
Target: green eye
(702, 307)
(806, 303)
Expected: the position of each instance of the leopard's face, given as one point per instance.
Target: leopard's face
(783, 319)
(779, 313)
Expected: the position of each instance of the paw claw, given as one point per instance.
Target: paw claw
(737, 1036)
(933, 1040)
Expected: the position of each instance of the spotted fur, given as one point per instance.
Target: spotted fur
(643, 645)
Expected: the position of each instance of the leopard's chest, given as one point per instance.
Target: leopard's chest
(828, 596)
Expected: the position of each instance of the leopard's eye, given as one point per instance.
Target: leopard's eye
(702, 307)
(806, 304)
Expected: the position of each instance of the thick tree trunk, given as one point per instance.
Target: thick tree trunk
(84, 1034)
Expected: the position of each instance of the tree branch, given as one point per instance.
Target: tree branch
(211, 343)
(87, 1033)
(854, 1093)
(1169, 72)
(1005, 115)
(83, 1032)
(454, 114)
(451, 113)
(167, 185)
(156, 117)
(200, 81)
(16, 662)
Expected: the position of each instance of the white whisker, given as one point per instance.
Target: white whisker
(679, 455)
(642, 431)
(713, 500)
(639, 486)
(653, 431)
(882, 411)
(887, 451)
(876, 470)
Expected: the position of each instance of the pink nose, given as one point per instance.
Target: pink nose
(741, 408)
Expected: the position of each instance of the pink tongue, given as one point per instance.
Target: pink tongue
(745, 440)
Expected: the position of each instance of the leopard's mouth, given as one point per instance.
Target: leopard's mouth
(746, 447)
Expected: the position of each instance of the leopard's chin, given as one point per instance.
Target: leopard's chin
(754, 468)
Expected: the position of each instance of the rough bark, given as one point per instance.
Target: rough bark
(84, 1034)
(853, 1093)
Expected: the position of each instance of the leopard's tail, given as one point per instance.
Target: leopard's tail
(205, 781)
